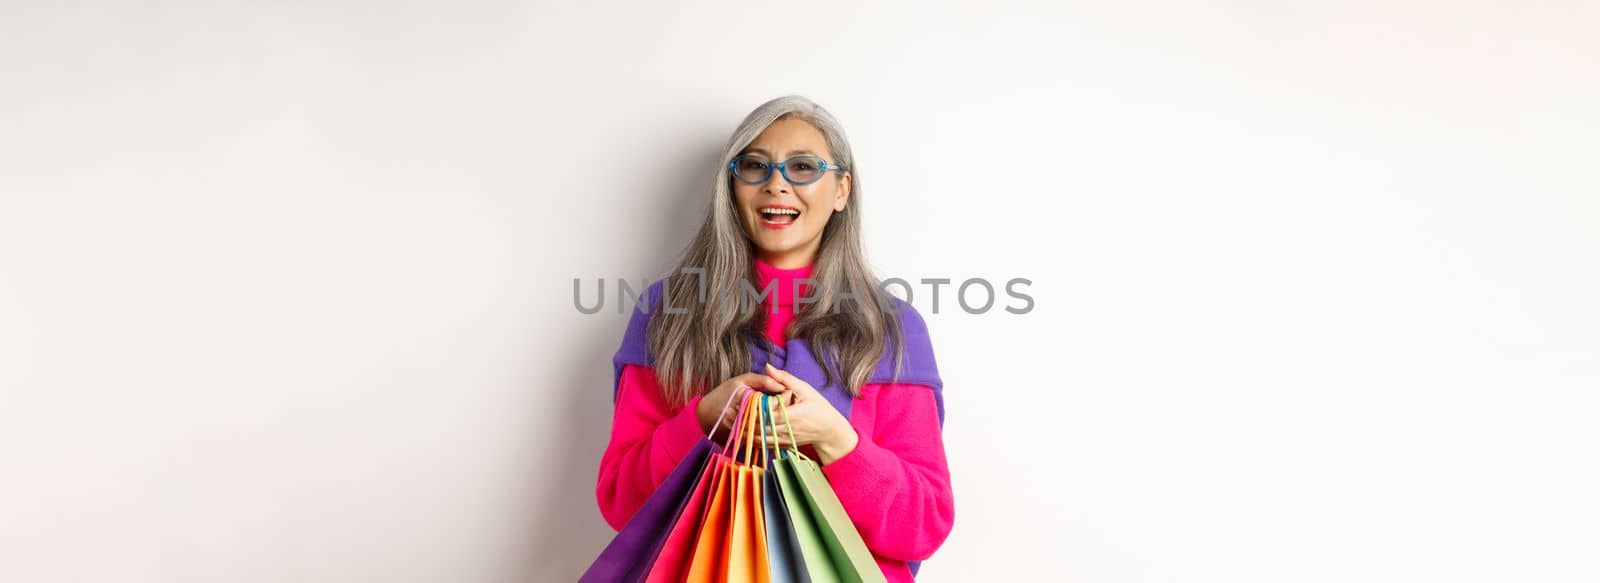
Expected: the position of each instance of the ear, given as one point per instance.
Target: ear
(842, 195)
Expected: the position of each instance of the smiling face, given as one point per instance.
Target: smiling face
(785, 220)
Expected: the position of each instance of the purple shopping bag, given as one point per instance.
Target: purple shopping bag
(629, 556)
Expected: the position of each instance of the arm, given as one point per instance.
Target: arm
(648, 439)
(895, 484)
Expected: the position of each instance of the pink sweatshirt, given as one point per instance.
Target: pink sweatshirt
(895, 484)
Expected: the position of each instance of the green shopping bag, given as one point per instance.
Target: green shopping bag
(829, 543)
(784, 561)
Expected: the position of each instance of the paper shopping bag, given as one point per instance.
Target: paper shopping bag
(830, 546)
(731, 544)
(673, 560)
(783, 548)
(630, 554)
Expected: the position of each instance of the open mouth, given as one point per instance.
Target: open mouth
(779, 215)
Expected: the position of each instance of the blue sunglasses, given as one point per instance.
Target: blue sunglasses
(799, 170)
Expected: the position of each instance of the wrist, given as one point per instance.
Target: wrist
(704, 417)
(841, 444)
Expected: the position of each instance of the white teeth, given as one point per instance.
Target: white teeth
(780, 211)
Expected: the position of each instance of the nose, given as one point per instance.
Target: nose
(777, 185)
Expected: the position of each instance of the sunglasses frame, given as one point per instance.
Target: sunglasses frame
(782, 167)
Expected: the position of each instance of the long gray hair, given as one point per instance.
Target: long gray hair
(696, 350)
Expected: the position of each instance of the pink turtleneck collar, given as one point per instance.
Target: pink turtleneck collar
(784, 294)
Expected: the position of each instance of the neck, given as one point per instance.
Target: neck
(793, 259)
(784, 280)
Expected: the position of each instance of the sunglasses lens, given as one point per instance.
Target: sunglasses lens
(804, 169)
(750, 169)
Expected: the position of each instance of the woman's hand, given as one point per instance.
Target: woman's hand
(813, 419)
(711, 405)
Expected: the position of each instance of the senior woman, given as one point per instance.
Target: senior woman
(853, 363)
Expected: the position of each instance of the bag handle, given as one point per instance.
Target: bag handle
(795, 449)
(752, 424)
(720, 416)
(764, 413)
(766, 422)
(769, 427)
(736, 431)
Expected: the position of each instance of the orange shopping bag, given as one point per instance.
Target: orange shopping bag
(732, 544)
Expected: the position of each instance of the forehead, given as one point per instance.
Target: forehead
(787, 138)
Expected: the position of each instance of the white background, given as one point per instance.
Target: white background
(286, 287)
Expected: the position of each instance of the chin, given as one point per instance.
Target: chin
(774, 245)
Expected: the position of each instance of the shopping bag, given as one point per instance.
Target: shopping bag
(829, 543)
(747, 539)
(630, 555)
(705, 560)
(731, 543)
(673, 559)
(783, 548)
(814, 554)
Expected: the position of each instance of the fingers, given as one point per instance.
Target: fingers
(739, 386)
(788, 428)
(763, 382)
(779, 436)
(782, 401)
(779, 439)
(725, 416)
(780, 374)
(788, 380)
